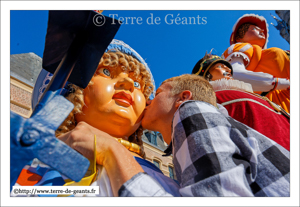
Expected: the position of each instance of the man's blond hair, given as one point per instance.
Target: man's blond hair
(200, 88)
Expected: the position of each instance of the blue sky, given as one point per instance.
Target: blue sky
(169, 47)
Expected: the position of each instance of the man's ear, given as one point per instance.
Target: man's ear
(183, 96)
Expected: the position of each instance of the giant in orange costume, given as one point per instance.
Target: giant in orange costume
(268, 70)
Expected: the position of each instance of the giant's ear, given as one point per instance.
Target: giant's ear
(182, 97)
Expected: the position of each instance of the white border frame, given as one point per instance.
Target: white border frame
(6, 6)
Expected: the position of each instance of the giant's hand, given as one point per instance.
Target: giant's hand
(81, 138)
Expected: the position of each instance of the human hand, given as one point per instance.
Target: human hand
(81, 138)
(116, 159)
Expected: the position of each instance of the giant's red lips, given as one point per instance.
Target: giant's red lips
(124, 98)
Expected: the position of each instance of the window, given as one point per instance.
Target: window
(148, 135)
(171, 171)
(156, 163)
(151, 138)
(159, 135)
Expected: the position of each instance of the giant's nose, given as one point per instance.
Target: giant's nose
(261, 31)
(228, 69)
(125, 82)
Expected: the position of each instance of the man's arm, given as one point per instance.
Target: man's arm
(215, 155)
(142, 184)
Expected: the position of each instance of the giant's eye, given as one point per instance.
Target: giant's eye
(219, 66)
(106, 72)
(137, 85)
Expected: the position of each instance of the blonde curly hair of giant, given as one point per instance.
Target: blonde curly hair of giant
(199, 86)
(111, 59)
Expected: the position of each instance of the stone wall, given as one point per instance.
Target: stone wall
(20, 97)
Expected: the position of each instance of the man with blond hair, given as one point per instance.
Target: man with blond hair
(214, 155)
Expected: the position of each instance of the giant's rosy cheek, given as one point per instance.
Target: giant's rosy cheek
(109, 88)
(139, 99)
(140, 102)
(101, 91)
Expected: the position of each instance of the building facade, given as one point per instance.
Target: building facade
(154, 146)
(24, 70)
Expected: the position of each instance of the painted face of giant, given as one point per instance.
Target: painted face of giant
(114, 102)
(254, 35)
(220, 71)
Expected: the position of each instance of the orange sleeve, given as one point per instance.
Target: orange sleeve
(256, 57)
(250, 53)
(244, 50)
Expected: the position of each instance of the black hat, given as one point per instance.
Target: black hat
(204, 64)
(77, 33)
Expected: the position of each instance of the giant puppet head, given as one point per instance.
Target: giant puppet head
(213, 67)
(219, 73)
(115, 98)
(258, 33)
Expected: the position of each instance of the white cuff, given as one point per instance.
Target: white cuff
(142, 184)
(283, 84)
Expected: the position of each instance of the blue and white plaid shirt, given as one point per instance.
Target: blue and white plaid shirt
(215, 155)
